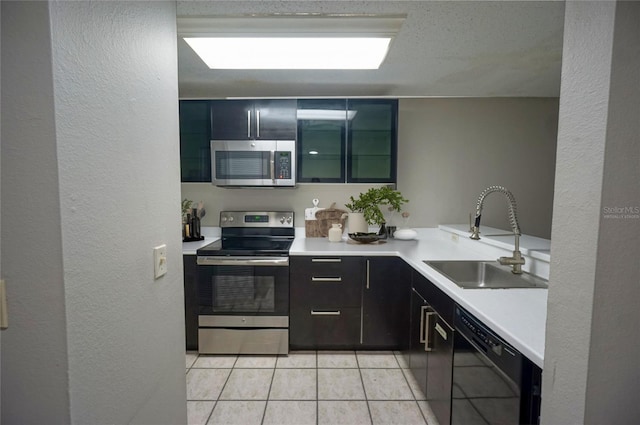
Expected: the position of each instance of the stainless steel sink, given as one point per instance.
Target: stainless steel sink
(485, 275)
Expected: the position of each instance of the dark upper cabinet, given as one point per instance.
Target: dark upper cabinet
(386, 303)
(268, 119)
(347, 140)
(372, 140)
(322, 132)
(195, 148)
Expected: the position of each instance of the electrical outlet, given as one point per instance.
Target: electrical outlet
(160, 261)
(454, 237)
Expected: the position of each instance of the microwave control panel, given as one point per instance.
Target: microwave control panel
(283, 165)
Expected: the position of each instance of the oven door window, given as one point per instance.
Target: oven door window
(245, 290)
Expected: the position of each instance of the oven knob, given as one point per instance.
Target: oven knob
(289, 220)
(224, 218)
(281, 220)
(230, 218)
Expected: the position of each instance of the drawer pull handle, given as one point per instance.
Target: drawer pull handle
(326, 260)
(325, 313)
(326, 279)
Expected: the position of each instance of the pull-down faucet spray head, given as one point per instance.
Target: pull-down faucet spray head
(513, 218)
(516, 261)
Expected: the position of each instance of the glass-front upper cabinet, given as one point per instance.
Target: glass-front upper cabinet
(322, 127)
(195, 149)
(347, 140)
(372, 140)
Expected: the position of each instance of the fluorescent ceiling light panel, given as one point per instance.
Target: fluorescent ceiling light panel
(325, 114)
(291, 52)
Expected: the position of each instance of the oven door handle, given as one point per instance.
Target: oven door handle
(242, 261)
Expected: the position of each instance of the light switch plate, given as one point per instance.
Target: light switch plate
(160, 261)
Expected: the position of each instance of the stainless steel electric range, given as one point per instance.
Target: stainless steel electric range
(243, 285)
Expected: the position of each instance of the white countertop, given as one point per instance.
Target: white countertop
(211, 234)
(517, 315)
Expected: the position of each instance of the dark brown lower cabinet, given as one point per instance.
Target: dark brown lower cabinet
(349, 303)
(430, 351)
(191, 301)
(385, 303)
(324, 328)
(440, 369)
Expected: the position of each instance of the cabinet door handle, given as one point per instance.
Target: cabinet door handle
(325, 313)
(426, 312)
(249, 123)
(428, 346)
(258, 123)
(367, 274)
(326, 279)
(326, 260)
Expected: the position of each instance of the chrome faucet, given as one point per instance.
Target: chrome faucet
(516, 261)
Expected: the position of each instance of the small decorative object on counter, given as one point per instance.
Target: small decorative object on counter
(324, 218)
(335, 233)
(191, 221)
(404, 233)
(366, 208)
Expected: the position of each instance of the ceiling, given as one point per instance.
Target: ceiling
(444, 48)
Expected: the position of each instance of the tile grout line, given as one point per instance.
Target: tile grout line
(364, 390)
(266, 403)
(317, 392)
(404, 375)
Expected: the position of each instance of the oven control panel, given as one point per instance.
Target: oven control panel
(256, 219)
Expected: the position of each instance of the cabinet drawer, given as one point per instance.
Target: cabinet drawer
(326, 282)
(345, 267)
(324, 328)
(333, 292)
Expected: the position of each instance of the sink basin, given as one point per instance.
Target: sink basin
(485, 275)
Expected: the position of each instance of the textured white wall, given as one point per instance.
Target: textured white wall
(90, 179)
(590, 371)
(449, 150)
(613, 375)
(34, 351)
(116, 104)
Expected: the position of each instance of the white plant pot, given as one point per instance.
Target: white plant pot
(357, 223)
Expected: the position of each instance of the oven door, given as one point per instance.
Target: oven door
(243, 286)
(253, 163)
(243, 305)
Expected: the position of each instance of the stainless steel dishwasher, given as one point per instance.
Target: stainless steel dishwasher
(493, 383)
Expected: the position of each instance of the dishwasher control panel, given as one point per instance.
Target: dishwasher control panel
(488, 343)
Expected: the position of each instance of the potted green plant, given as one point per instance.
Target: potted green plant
(368, 205)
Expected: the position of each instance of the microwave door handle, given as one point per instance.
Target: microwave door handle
(273, 165)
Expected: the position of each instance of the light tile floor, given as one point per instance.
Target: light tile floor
(306, 387)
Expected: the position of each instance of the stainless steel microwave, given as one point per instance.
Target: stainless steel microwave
(267, 163)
